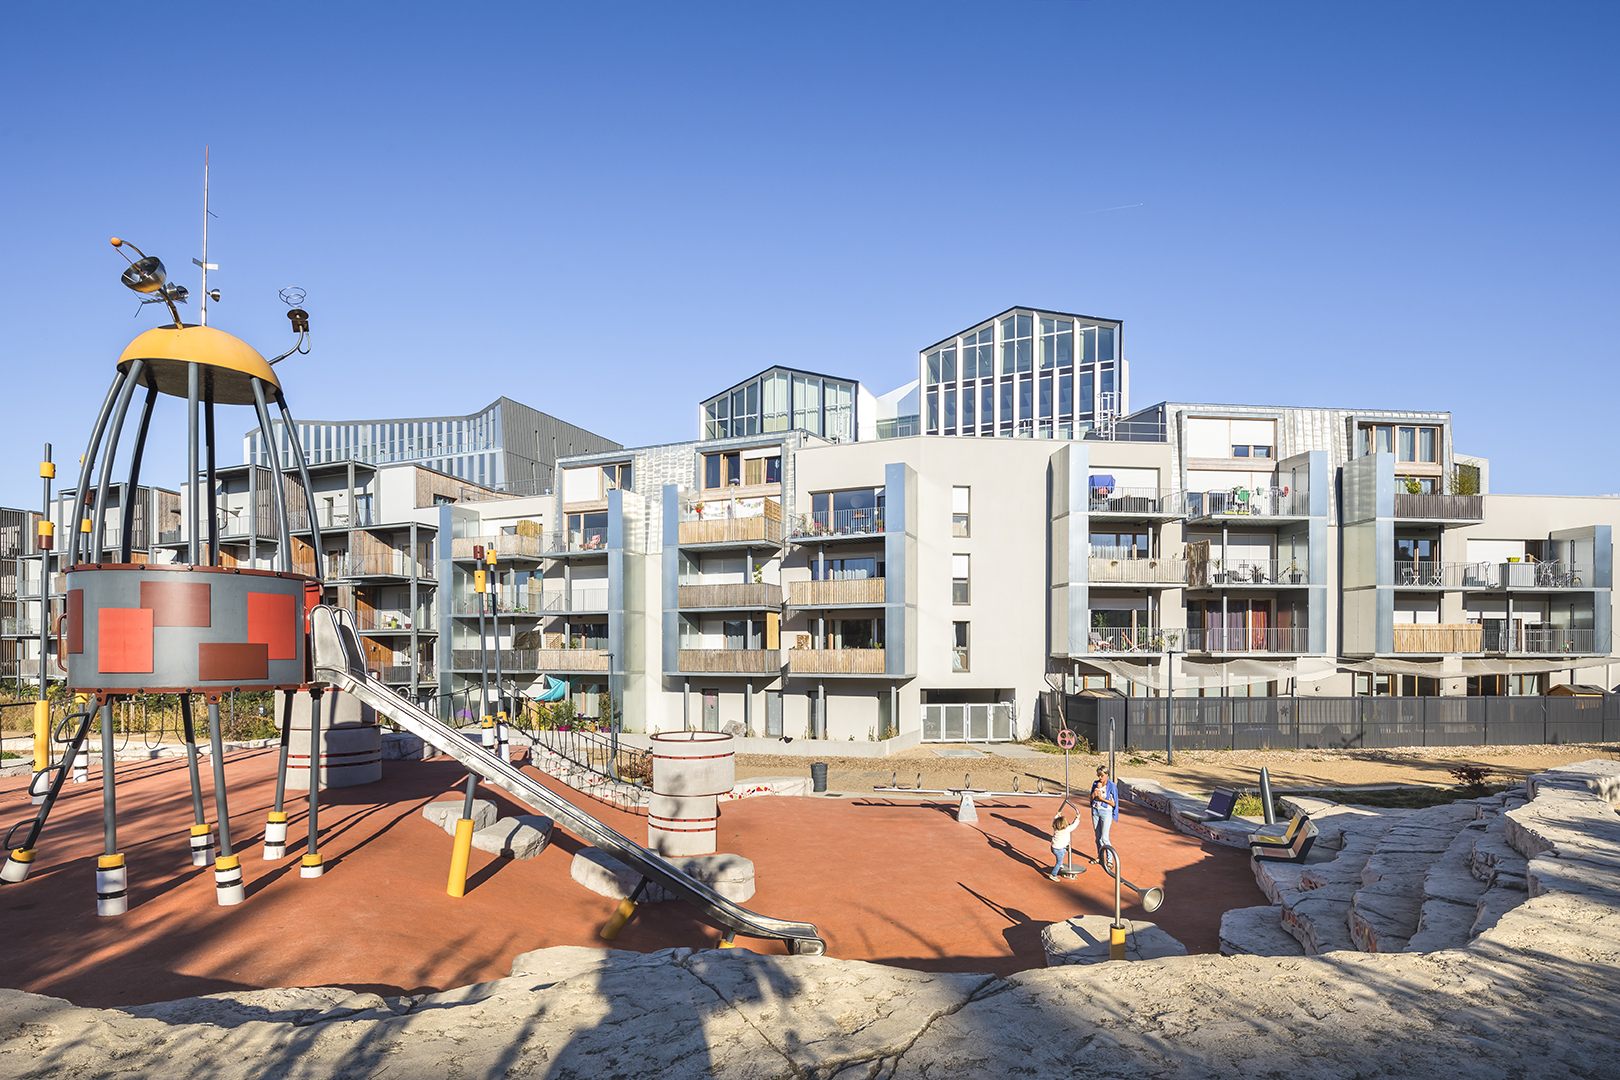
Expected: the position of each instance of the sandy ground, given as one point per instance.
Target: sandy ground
(1194, 770)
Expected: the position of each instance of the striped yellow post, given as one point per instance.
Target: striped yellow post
(459, 856)
(621, 915)
(1116, 943)
(42, 735)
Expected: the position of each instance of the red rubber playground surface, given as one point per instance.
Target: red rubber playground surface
(895, 882)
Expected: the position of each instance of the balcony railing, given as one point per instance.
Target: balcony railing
(1134, 500)
(232, 526)
(1141, 639)
(19, 627)
(754, 595)
(505, 545)
(1233, 573)
(835, 661)
(1542, 575)
(1424, 574)
(846, 592)
(534, 660)
(1295, 639)
(390, 564)
(1547, 641)
(1432, 507)
(899, 427)
(1243, 502)
(396, 673)
(374, 619)
(1104, 571)
(731, 521)
(833, 524)
(730, 661)
(1439, 637)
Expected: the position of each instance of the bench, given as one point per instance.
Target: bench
(1220, 807)
(1293, 846)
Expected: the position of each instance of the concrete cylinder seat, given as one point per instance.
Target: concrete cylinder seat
(690, 770)
(351, 743)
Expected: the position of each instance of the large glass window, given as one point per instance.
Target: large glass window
(1406, 444)
(1087, 392)
(807, 403)
(846, 569)
(840, 398)
(979, 354)
(932, 366)
(776, 416)
(1026, 404)
(947, 365)
(933, 411)
(950, 410)
(959, 647)
(1428, 444)
(1007, 405)
(1017, 343)
(987, 407)
(1088, 345)
(968, 396)
(1057, 343)
(961, 499)
(1046, 397)
(1105, 343)
(1066, 396)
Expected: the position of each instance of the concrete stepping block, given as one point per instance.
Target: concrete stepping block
(1086, 940)
(1492, 906)
(1257, 931)
(1546, 875)
(1493, 855)
(445, 814)
(520, 837)
(732, 876)
(1443, 925)
(1318, 919)
(1383, 917)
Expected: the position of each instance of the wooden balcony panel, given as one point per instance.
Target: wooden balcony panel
(731, 531)
(836, 662)
(730, 661)
(832, 593)
(1138, 571)
(750, 595)
(1439, 638)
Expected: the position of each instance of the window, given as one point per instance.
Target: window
(1057, 343)
(858, 568)
(960, 499)
(763, 470)
(950, 410)
(1428, 444)
(1017, 344)
(840, 404)
(722, 470)
(1262, 451)
(947, 365)
(1406, 444)
(959, 646)
(857, 634)
(1240, 451)
(987, 408)
(932, 365)
(933, 412)
(1007, 406)
(968, 399)
(1086, 392)
(617, 478)
(979, 354)
(807, 404)
(776, 414)
(959, 579)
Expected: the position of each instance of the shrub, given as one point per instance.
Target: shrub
(1470, 776)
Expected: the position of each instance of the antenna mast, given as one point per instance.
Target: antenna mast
(203, 262)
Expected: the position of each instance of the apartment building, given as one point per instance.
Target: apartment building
(506, 446)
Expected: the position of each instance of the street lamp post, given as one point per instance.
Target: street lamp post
(1170, 700)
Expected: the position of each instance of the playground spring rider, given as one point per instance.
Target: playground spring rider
(192, 627)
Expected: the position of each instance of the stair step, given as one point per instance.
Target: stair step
(1384, 916)
(1318, 918)
(1257, 931)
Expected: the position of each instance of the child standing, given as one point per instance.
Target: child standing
(1062, 829)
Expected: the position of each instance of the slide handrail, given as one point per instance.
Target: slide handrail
(340, 663)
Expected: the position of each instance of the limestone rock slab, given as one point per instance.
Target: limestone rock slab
(445, 814)
(1257, 931)
(1087, 940)
(732, 876)
(520, 837)
(1442, 925)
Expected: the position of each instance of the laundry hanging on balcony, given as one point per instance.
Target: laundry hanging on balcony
(1103, 483)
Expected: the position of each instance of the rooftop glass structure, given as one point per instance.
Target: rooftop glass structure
(1027, 374)
(783, 399)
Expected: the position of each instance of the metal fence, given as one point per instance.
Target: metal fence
(1354, 723)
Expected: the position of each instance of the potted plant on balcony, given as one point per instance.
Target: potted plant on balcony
(1220, 575)
(1294, 573)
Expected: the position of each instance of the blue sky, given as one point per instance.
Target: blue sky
(609, 211)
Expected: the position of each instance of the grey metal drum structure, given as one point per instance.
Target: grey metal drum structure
(195, 627)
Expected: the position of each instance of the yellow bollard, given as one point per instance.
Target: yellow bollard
(459, 854)
(1116, 943)
(621, 915)
(42, 735)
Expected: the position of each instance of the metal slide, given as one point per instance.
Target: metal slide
(339, 663)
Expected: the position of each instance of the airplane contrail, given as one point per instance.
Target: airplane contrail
(1105, 209)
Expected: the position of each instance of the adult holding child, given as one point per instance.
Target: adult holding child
(1104, 807)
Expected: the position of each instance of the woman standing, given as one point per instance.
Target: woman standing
(1104, 807)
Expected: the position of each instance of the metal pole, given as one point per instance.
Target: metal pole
(192, 392)
(109, 800)
(1170, 708)
(278, 487)
(213, 486)
(190, 729)
(86, 468)
(127, 542)
(275, 829)
(312, 856)
(303, 474)
(216, 744)
(46, 471)
(99, 530)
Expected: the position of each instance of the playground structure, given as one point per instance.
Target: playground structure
(199, 627)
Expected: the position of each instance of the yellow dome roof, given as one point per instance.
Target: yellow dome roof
(227, 363)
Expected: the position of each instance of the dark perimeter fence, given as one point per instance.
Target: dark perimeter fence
(1338, 723)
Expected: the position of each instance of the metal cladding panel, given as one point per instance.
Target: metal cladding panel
(669, 587)
(900, 557)
(252, 636)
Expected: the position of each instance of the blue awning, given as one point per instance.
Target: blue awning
(1102, 481)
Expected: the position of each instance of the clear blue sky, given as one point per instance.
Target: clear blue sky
(609, 211)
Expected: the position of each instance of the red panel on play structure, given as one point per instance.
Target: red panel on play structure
(75, 621)
(124, 638)
(176, 603)
(272, 620)
(221, 662)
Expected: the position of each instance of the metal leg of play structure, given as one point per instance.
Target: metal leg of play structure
(202, 840)
(227, 867)
(20, 860)
(311, 867)
(112, 875)
(275, 829)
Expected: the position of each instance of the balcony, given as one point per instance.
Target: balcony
(1285, 640)
(847, 592)
(1135, 503)
(373, 620)
(865, 523)
(740, 522)
(1106, 571)
(835, 662)
(730, 661)
(534, 661)
(505, 545)
(1432, 638)
(11, 627)
(1429, 507)
(393, 564)
(1244, 505)
(1247, 573)
(240, 526)
(1542, 576)
(1124, 639)
(1548, 641)
(730, 597)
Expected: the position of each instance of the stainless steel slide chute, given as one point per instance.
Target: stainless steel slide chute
(340, 664)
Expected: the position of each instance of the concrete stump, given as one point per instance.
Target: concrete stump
(445, 814)
(521, 837)
(732, 876)
(1085, 940)
(351, 742)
